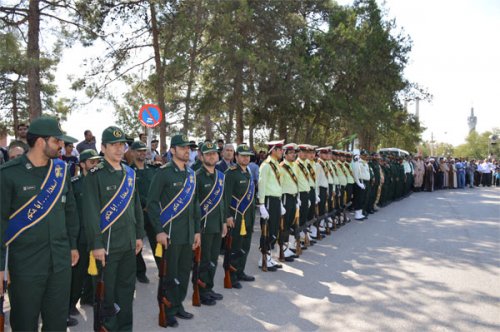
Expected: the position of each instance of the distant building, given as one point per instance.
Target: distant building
(472, 120)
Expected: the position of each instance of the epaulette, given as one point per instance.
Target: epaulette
(97, 167)
(232, 168)
(11, 163)
(75, 178)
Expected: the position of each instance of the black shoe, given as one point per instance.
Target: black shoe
(289, 259)
(278, 266)
(183, 314)
(245, 277)
(215, 296)
(312, 242)
(172, 322)
(143, 279)
(237, 285)
(207, 300)
(70, 321)
(73, 311)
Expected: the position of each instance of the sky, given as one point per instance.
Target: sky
(455, 55)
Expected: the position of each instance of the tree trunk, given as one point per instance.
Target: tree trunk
(282, 127)
(15, 110)
(230, 121)
(238, 102)
(160, 79)
(250, 135)
(209, 134)
(33, 53)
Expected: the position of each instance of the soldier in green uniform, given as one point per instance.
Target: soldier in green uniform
(39, 230)
(374, 181)
(81, 282)
(174, 212)
(239, 191)
(143, 175)
(210, 190)
(114, 226)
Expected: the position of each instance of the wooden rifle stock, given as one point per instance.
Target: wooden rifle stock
(263, 245)
(228, 268)
(298, 246)
(197, 283)
(327, 227)
(99, 304)
(163, 302)
(281, 240)
(2, 299)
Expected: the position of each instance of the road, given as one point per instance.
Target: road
(430, 262)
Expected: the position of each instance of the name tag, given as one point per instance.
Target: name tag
(243, 181)
(113, 187)
(176, 184)
(208, 185)
(29, 188)
(63, 199)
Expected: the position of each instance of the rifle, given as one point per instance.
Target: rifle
(161, 296)
(2, 298)
(298, 246)
(228, 268)
(317, 223)
(264, 243)
(101, 312)
(280, 239)
(196, 277)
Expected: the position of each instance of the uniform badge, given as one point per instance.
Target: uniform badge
(29, 166)
(113, 187)
(117, 133)
(58, 171)
(29, 188)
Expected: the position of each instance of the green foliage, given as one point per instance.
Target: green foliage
(478, 146)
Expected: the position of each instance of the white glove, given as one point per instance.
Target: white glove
(308, 203)
(298, 201)
(361, 185)
(263, 212)
(283, 210)
(317, 199)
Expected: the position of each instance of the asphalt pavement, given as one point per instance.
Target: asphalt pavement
(430, 262)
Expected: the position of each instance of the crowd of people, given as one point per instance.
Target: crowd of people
(73, 216)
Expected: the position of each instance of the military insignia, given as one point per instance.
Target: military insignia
(245, 148)
(232, 168)
(185, 138)
(113, 187)
(210, 145)
(29, 166)
(58, 171)
(117, 133)
(130, 182)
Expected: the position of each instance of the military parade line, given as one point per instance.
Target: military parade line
(69, 239)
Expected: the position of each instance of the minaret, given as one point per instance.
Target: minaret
(472, 120)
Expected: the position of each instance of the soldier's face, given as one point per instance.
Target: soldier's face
(89, 164)
(22, 132)
(52, 147)
(290, 156)
(278, 153)
(114, 151)
(210, 158)
(302, 154)
(181, 153)
(243, 160)
(140, 155)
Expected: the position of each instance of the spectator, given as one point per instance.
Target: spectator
(21, 135)
(220, 147)
(16, 151)
(87, 143)
(227, 158)
(254, 169)
(70, 159)
(143, 138)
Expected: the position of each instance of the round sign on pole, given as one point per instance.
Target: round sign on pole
(150, 115)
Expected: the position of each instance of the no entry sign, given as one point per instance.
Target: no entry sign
(150, 115)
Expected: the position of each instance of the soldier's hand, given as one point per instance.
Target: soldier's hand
(162, 238)
(75, 256)
(100, 255)
(224, 230)
(230, 222)
(138, 246)
(197, 241)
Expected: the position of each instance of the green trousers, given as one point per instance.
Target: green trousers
(210, 248)
(179, 263)
(81, 281)
(46, 294)
(240, 242)
(119, 281)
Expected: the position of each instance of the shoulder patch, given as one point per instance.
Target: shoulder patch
(75, 178)
(97, 167)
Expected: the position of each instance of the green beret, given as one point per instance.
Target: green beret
(113, 135)
(89, 154)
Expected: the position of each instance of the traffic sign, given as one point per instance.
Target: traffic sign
(150, 115)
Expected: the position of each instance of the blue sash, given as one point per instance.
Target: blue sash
(241, 206)
(214, 197)
(120, 201)
(34, 210)
(181, 201)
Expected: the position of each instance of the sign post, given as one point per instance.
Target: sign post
(150, 116)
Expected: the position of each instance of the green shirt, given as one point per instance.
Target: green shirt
(77, 182)
(236, 184)
(99, 187)
(166, 184)
(215, 219)
(143, 179)
(302, 175)
(269, 180)
(289, 180)
(48, 243)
